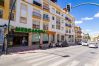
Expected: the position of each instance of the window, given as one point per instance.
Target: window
(36, 24)
(53, 10)
(45, 26)
(35, 38)
(53, 26)
(45, 38)
(1, 13)
(53, 18)
(45, 17)
(23, 10)
(23, 20)
(58, 23)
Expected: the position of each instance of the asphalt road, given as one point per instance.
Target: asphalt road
(67, 56)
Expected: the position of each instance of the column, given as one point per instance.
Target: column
(6, 9)
(49, 38)
(55, 38)
(41, 38)
(30, 40)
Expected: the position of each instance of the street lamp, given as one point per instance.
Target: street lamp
(6, 51)
(5, 27)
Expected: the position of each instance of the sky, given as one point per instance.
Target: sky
(86, 16)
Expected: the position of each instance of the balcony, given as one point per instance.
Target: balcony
(36, 26)
(46, 7)
(1, 2)
(66, 18)
(36, 15)
(68, 25)
(39, 5)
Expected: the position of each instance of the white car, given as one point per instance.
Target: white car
(84, 43)
(93, 45)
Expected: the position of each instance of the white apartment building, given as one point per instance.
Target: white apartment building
(38, 21)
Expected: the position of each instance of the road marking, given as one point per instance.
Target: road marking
(36, 56)
(73, 63)
(88, 64)
(41, 59)
(59, 62)
(39, 63)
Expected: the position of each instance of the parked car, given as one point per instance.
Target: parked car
(59, 44)
(93, 45)
(64, 44)
(84, 43)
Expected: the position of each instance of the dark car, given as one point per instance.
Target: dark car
(64, 44)
(59, 44)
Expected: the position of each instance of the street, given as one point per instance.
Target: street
(67, 56)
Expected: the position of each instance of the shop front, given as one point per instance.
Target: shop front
(18, 39)
(22, 36)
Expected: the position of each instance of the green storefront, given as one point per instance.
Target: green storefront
(21, 33)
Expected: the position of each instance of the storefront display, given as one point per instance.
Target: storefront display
(45, 38)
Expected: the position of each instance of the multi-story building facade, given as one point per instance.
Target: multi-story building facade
(38, 21)
(85, 37)
(78, 34)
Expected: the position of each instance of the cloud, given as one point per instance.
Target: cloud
(96, 15)
(78, 22)
(87, 18)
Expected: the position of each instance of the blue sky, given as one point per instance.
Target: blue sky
(87, 16)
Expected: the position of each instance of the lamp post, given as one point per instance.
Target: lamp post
(6, 50)
(5, 27)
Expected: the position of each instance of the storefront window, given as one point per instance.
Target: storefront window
(45, 38)
(35, 38)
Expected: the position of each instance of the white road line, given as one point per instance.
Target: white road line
(88, 64)
(73, 63)
(36, 56)
(39, 63)
(40, 59)
(59, 62)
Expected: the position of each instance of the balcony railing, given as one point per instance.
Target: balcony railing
(46, 7)
(1, 2)
(38, 15)
(37, 3)
(36, 26)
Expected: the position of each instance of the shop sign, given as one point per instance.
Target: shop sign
(27, 30)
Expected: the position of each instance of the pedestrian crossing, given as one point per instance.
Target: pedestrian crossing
(50, 57)
(50, 60)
